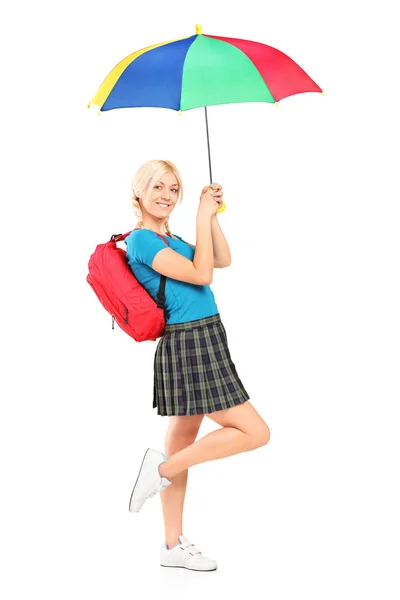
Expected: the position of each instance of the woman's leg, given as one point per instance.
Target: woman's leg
(242, 429)
(181, 432)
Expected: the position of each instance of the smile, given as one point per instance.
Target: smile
(162, 204)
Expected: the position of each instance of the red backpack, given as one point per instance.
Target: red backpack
(121, 294)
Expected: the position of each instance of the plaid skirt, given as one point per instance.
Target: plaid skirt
(193, 369)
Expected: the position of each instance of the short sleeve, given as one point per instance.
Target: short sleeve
(182, 240)
(144, 245)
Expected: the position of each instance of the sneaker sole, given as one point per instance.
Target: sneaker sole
(133, 491)
(183, 567)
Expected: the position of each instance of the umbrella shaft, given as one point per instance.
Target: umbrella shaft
(208, 145)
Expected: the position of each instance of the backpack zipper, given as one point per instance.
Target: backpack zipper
(102, 295)
(126, 318)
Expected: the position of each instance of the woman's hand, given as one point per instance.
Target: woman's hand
(210, 199)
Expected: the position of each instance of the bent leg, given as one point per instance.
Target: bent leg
(242, 429)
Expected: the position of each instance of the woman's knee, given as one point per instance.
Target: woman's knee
(262, 436)
(245, 418)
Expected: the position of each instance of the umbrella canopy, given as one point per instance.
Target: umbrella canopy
(202, 70)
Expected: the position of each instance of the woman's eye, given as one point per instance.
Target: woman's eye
(157, 186)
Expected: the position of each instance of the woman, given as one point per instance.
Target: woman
(194, 375)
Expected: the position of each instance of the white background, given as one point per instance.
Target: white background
(310, 303)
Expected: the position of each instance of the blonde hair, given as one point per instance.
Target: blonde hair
(144, 178)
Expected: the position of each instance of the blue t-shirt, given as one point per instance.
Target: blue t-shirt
(185, 301)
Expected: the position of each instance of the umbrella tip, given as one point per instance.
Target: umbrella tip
(199, 29)
(323, 93)
(276, 104)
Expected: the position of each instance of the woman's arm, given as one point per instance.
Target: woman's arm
(222, 255)
(203, 254)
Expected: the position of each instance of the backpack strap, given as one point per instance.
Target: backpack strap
(161, 290)
(118, 237)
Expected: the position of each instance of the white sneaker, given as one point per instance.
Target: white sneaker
(149, 480)
(186, 555)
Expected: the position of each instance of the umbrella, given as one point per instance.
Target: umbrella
(199, 71)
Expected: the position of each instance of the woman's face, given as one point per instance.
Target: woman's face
(165, 191)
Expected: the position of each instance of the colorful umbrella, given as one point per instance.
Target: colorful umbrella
(202, 70)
